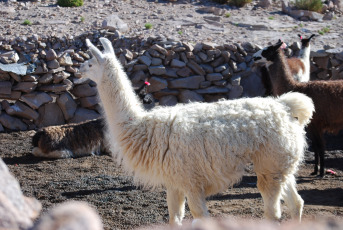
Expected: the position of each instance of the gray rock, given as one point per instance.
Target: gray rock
(57, 88)
(214, 77)
(65, 60)
(87, 102)
(192, 82)
(322, 62)
(235, 80)
(187, 96)
(15, 95)
(160, 49)
(53, 64)
(51, 55)
(252, 86)
(84, 90)
(12, 123)
(25, 87)
(171, 72)
(9, 57)
(19, 109)
(177, 63)
(59, 77)
(113, 23)
(144, 60)
(168, 100)
(157, 84)
(184, 72)
(67, 105)
(137, 77)
(156, 61)
(36, 99)
(15, 76)
(235, 92)
(4, 76)
(157, 70)
(196, 68)
(49, 114)
(5, 87)
(82, 114)
(213, 90)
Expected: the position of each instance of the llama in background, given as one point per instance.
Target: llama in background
(199, 149)
(326, 95)
(71, 140)
(300, 66)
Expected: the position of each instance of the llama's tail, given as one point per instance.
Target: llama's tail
(301, 106)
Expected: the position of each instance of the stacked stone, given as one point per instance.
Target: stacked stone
(54, 93)
(180, 72)
(327, 64)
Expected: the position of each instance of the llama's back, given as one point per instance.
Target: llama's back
(327, 97)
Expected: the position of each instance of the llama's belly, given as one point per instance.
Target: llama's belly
(66, 153)
(57, 154)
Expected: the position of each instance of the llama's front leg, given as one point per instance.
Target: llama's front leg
(292, 199)
(176, 205)
(270, 189)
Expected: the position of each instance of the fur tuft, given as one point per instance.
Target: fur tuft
(301, 106)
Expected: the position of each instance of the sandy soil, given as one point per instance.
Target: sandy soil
(123, 205)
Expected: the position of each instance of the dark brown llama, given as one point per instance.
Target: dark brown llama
(326, 95)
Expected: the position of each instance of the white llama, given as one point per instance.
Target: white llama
(199, 149)
(300, 66)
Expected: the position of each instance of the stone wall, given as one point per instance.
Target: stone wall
(40, 84)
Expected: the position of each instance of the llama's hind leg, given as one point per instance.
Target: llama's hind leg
(196, 200)
(270, 189)
(176, 205)
(292, 199)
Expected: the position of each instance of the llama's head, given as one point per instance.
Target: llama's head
(94, 67)
(305, 42)
(268, 54)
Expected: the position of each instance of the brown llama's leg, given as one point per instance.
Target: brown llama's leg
(318, 146)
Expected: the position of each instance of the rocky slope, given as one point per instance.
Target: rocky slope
(185, 20)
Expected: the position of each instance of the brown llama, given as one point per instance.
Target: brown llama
(326, 95)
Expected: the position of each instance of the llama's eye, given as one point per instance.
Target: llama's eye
(90, 65)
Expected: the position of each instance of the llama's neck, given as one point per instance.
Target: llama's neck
(304, 56)
(120, 103)
(280, 75)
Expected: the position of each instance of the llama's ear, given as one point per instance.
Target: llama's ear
(107, 45)
(278, 45)
(311, 36)
(95, 51)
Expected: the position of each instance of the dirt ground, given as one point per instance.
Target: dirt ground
(123, 205)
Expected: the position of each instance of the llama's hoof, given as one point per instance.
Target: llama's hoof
(197, 223)
(321, 176)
